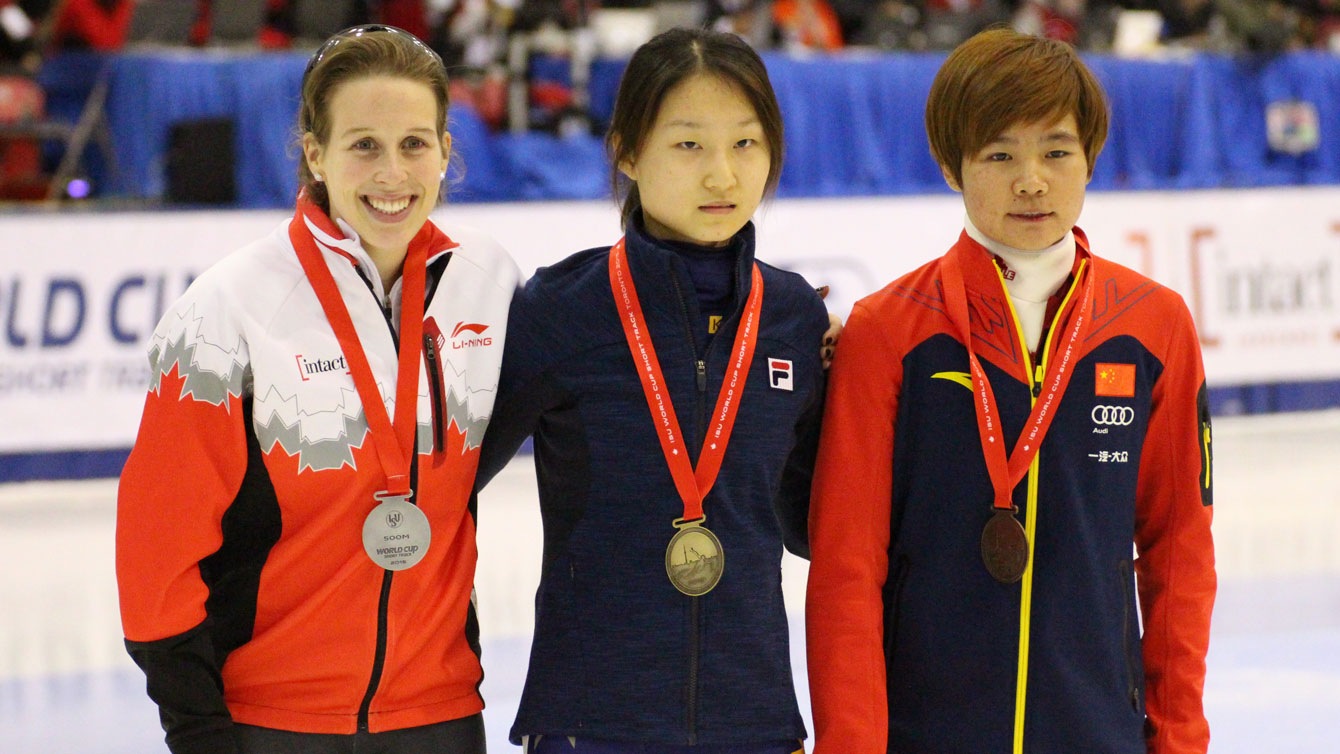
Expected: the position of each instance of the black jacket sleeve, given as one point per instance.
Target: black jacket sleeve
(183, 679)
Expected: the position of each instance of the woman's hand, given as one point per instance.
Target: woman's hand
(831, 335)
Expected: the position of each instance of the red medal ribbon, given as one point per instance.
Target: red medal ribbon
(1006, 474)
(692, 484)
(394, 444)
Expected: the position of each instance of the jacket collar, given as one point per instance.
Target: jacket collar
(989, 312)
(652, 260)
(338, 237)
(979, 269)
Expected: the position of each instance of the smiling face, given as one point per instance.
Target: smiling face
(1025, 188)
(382, 165)
(703, 167)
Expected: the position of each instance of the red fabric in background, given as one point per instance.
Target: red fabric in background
(91, 23)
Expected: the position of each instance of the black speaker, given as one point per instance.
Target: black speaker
(200, 162)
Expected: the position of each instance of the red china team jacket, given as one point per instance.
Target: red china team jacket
(913, 646)
(246, 594)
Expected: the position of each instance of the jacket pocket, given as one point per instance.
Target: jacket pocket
(893, 596)
(1130, 639)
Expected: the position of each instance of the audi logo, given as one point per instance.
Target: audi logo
(1116, 416)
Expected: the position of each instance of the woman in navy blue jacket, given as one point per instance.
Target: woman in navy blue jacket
(659, 618)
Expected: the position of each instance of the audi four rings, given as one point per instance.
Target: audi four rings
(1116, 416)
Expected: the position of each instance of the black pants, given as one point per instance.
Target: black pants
(464, 736)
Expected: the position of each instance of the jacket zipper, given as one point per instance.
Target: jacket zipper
(700, 374)
(435, 392)
(384, 599)
(1031, 515)
(695, 638)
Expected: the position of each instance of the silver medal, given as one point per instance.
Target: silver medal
(396, 533)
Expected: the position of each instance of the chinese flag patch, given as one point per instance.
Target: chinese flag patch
(1116, 380)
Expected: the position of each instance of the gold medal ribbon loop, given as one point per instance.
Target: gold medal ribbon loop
(1006, 474)
(394, 443)
(692, 484)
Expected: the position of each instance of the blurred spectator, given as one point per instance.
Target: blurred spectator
(471, 33)
(1268, 26)
(851, 15)
(410, 15)
(949, 22)
(810, 24)
(1321, 24)
(1054, 19)
(893, 25)
(93, 24)
(751, 20)
(471, 37)
(18, 45)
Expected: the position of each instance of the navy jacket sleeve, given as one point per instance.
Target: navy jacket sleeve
(793, 494)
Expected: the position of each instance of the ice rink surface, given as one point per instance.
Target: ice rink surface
(67, 686)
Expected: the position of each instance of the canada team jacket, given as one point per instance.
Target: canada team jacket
(246, 594)
(909, 637)
(618, 653)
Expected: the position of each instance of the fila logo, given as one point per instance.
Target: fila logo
(308, 367)
(780, 374)
(1116, 416)
(467, 341)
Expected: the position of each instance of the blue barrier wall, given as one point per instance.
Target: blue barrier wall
(854, 124)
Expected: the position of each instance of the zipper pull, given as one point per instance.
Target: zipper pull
(435, 394)
(1037, 381)
(702, 376)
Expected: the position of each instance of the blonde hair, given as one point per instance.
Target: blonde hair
(356, 53)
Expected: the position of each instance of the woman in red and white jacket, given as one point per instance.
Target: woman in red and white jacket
(295, 531)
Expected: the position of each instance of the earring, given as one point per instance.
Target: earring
(443, 177)
(318, 177)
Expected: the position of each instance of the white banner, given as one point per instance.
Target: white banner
(81, 293)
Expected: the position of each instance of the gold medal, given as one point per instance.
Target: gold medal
(694, 560)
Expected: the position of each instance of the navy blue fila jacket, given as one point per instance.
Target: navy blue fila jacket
(618, 652)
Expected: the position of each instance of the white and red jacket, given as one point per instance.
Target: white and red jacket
(246, 594)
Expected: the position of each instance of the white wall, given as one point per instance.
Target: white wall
(80, 293)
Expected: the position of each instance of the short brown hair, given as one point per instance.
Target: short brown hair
(356, 53)
(657, 67)
(1000, 78)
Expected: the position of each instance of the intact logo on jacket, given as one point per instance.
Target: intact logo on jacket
(308, 367)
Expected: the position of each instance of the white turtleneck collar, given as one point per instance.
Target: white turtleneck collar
(353, 245)
(1037, 276)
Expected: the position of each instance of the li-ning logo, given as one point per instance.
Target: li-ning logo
(394, 518)
(308, 367)
(467, 341)
(780, 374)
(1115, 416)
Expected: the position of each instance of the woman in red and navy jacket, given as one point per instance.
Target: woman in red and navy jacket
(1016, 448)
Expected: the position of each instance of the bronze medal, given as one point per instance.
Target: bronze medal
(1004, 547)
(694, 560)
